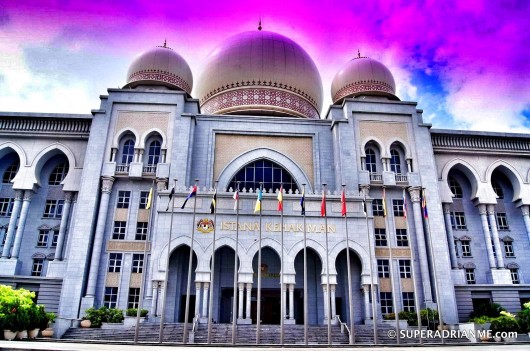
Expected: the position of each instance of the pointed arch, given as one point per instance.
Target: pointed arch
(467, 169)
(47, 153)
(401, 143)
(5, 149)
(510, 172)
(299, 246)
(376, 142)
(357, 248)
(121, 133)
(182, 240)
(149, 133)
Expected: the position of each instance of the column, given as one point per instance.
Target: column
(366, 291)
(249, 291)
(284, 300)
(525, 209)
(241, 288)
(487, 237)
(205, 288)
(325, 295)
(409, 165)
(420, 240)
(21, 223)
(113, 155)
(141, 155)
(62, 229)
(197, 298)
(450, 238)
(106, 188)
(13, 223)
(495, 235)
(333, 304)
(291, 301)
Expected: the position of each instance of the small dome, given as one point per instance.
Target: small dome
(363, 76)
(160, 66)
(260, 72)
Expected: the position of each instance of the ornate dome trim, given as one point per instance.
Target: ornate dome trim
(161, 76)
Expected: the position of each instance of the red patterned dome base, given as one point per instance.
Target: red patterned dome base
(379, 88)
(158, 76)
(252, 99)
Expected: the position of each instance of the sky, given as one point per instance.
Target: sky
(466, 63)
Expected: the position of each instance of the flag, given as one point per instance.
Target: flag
(170, 197)
(214, 202)
(323, 204)
(280, 199)
(404, 205)
(364, 207)
(343, 203)
(258, 201)
(149, 199)
(424, 204)
(302, 202)
(191, 194)
(384, 202)
(236, 199)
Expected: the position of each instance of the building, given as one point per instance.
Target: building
(74, 217)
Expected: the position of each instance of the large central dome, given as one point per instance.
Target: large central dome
(260, 72)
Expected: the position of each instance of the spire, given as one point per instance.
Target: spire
(259, 25)
(358, 53)
(165, 42)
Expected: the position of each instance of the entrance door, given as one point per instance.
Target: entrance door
(183, 309)
(270, 307)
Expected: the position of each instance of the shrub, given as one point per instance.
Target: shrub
(389, 316)
(523, 318)
(410, 316)
(103, 315)
(132, 312)
(487, 309)
(481, 319)
(429, 318)
(504, 324)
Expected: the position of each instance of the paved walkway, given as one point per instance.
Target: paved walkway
(66, 346)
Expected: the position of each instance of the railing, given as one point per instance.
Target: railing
(401, 178)
(122, 168)
(376, 177)
(149, 169)
(194, 328)
(343, 326)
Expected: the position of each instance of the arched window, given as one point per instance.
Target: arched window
(268, 172)
(395, 161)
(128, 152)
(58, 174)
(370, 161)
(497, 189)
(455, 188)
(153, 153)
(10, 172)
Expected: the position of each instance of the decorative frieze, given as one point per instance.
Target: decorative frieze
(39, 125)
(450, 141)
(127, 246)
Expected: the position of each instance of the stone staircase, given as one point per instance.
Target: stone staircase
(246, 334)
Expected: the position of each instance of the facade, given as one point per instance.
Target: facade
(75, 220)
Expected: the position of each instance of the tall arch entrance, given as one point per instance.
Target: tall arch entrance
(177, 285)
(270, 287)
(223, 293)
(341, 291)
(315, 298)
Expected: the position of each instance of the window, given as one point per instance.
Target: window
(514, 273)
(459, 221)
(380, 237)
(138, 263)
(6, 206)
(455, 187)
(42, 239)
(141, 231)
(38, 265)
(128, 152)
(115, 262)
(370, 161)
(268, 172)
(10, 172)
(408, 302)
(111, 297)
(58, 174)
(395, 161)
(377, 207)
(383, 268)
(397, 206)
(154, 153)
(386, 302)
(402, 238)
(144, 195)
(123, 199)
(405, 270)
(497, 189)
(456, 248)
(55, 237)
(508, 249)
(466, 248)
(502, 221)
(470, 275)
(134, 298)
(53, 209)
(119, 230)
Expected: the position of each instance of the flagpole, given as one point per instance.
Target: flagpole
(144, 264)
(234, 312)
(391, 268)
(413, 268)
(282, 293)
(372, 287)
(435, 275)
(258, 314)
(162, 316)
(350, 299)
(305, 269)
(328, 298)
(187, 310)
(212, 271)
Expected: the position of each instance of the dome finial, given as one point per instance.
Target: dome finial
(358, 53)
(165, 42)
(259, 25)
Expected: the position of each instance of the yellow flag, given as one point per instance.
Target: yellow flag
(149, 199)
